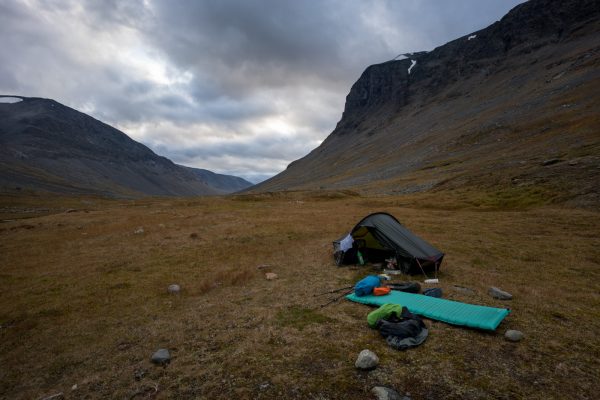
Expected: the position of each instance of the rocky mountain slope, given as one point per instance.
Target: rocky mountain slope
(510, 108)
(47, 146)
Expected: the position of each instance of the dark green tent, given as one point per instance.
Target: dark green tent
(379, 236)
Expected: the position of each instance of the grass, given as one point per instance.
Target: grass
(83, 299)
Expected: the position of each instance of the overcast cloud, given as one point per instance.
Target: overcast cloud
(237, 87)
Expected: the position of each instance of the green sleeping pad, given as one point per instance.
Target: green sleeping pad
(452, 312)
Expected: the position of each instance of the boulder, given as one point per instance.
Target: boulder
(270, 276)
(499, 293)
(366, 360)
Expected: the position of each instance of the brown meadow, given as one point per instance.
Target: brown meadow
(83, 299)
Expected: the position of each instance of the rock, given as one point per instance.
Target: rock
(385, 393)
(70, 210)
(513, 335)
(161, 357)
(366, 360)
(263, 266)
(499, 294)
(139, 231)
(57, 396)
(551, 161)
(270, 276)
(174, 289)
(464, 290)
(74, 387)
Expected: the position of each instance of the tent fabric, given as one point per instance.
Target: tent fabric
(452, 312)
(393, 235)
(383, 236)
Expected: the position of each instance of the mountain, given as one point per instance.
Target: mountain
(223, 183)
(510, 108)
(47, 146)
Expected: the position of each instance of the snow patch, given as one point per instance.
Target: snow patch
(472, 37)
(400, 57)
(9, 99)
(414, 62)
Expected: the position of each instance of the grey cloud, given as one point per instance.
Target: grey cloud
(237, 64)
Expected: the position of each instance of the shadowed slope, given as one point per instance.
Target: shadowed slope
(486, 113)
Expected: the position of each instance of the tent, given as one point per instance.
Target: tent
(379, 236)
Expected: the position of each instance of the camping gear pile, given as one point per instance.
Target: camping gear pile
(400, 328)
(380, 238)
(449, 311)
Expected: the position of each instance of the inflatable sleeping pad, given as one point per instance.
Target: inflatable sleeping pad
(452, 312)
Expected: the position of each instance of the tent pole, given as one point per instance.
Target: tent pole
(422, 270)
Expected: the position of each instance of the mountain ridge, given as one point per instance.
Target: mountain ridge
(483, 111)
(49, 146)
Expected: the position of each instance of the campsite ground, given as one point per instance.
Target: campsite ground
(83, 299)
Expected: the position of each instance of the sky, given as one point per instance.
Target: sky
(236, 87)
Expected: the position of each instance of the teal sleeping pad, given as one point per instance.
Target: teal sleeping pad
(452, 312)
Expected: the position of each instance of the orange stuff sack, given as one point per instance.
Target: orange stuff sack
(381, 291)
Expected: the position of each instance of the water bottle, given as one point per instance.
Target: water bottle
(361, 261)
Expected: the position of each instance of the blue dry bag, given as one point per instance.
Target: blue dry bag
(366, 285)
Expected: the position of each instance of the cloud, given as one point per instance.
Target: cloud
(232, 86)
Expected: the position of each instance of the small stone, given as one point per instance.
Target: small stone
(139, 231)
(270, 276)
(161, 357)
(264, 386)
(366, 360)
(464, 290)
(385, 393)
(74, 387)
(57, 396)
(513, 335)
(499, 293)
(263, 266)
(551, 161)
(139, 374)
(174, 289)
(70, 210)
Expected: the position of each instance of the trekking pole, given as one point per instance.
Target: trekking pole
(337, 298)
(333, 291)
